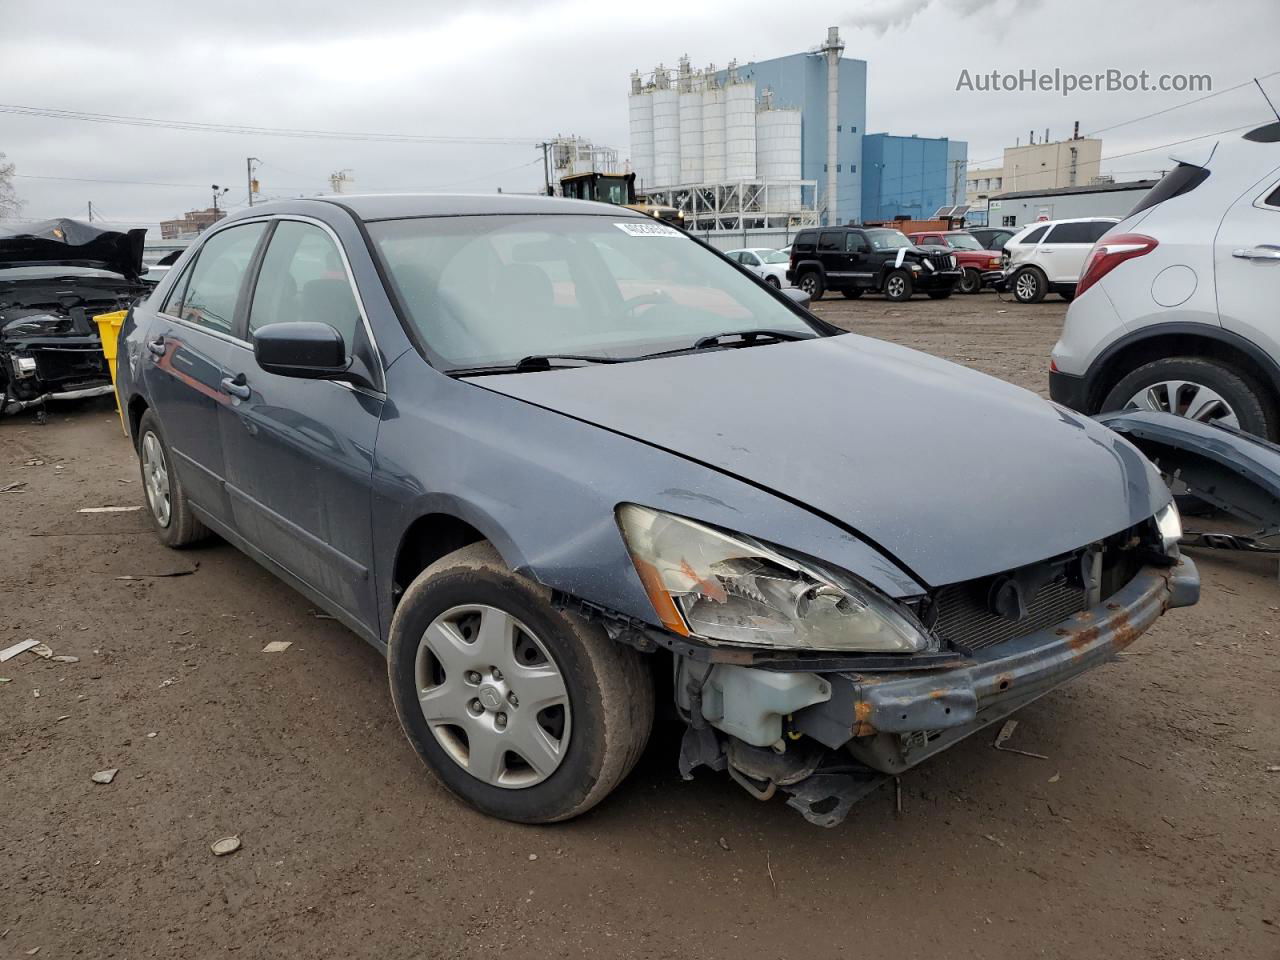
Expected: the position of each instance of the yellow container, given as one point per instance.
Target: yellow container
(109, 325)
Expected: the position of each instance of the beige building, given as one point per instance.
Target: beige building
(1036, 166)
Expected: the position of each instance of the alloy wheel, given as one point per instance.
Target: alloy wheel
(1027, 285)
(492, 696)
(155, 472)
(895, 287)
(809, 284)
(1183, 398)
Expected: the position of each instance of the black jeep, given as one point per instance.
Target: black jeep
(854, 260)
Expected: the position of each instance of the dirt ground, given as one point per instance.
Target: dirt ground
(1152, 829)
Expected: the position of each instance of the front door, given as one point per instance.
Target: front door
(300, 452)
(184, 364)
(1246, 260)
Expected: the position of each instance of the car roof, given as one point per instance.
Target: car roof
(391, 206)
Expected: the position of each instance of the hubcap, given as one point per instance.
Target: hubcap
(1027, 286)
(155, 477)
(1194, 401)
(808, 283)
(896, 286)
(492, 696)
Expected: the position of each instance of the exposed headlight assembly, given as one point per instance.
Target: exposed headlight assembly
(728, 589)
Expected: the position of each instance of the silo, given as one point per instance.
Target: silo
(641, 110)
(739, 128)
(666, 131)
(690, 124)
(778, 155)
(712, 129)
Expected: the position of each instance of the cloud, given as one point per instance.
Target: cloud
(885, 15)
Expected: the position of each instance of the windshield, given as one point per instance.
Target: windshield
(887, 239)
(962, 241)
(774, 256)
(492, 290)
(51, 270)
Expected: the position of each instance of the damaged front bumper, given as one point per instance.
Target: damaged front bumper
(889, 721)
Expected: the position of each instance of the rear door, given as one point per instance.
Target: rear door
(1068, 244)
(1247, 266)
(860, 266)
(186, 352)
(831, 253)
(299, 453)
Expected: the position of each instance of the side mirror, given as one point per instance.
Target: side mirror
(798, 295)
(312, 351)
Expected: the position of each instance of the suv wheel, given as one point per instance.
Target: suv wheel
(525, 711)
(971, 282)
(1203, 390)
(167, 504)
(1029, 285)
(897, 286)
(812, 284)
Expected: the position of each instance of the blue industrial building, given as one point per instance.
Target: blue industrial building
(800, 80)
(911, 176)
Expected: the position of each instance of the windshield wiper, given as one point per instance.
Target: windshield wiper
(532, 363)
(749, 337)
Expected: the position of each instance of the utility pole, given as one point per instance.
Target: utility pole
(248, 173)
(545, 147)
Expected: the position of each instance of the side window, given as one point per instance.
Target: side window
(1082, 232)
(804, 242)
(1273, 198)
(211, 294)
(750, 259)
(855, 243)
(829, 242)
(302, 278)
(1098, 228)
(1035, 236)
(173, 302)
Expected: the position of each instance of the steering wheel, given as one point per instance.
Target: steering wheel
(645, 300)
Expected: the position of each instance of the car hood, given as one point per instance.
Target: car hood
(73, 242)
(949, 472)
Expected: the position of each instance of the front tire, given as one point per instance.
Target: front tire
(525, 712)
(813, 284)
(1029, 285)
(773, 282)
(167, 503)
(897, 286)
(971, 282)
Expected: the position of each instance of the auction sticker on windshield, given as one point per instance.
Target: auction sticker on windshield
(637, 229)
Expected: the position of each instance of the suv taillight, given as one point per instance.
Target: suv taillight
(1109, 252)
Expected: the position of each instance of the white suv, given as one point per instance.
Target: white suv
(1048, 257)
(1178, 309)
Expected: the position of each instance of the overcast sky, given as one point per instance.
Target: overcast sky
(532, 69)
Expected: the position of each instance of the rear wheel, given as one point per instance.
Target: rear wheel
(525, 711)
(971, 282)
(1029, 285)
(1204, 390)
(811, 283)
(897, 286)
(167, 503)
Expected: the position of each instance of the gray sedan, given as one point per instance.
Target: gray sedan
(549, 456)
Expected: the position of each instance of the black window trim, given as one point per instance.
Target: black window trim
(190, 269)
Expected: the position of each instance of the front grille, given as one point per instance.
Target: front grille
(965, 622)
(942, 261)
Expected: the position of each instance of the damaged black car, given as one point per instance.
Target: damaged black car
(55, 277)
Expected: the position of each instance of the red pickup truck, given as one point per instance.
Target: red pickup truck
(969, 254)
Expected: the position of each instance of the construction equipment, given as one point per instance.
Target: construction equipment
(619, 188)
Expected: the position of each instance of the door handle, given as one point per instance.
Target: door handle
(156, 346)
(237, 386)
(1263, 251)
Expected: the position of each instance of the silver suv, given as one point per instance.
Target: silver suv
(1176, 310)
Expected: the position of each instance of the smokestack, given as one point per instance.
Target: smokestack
(1046, 134)
(832, 49)
(1075, 133)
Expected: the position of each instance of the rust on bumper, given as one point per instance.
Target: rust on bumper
(925, 712)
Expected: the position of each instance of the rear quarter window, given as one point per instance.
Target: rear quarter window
(1035, 236)
(804, 242)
